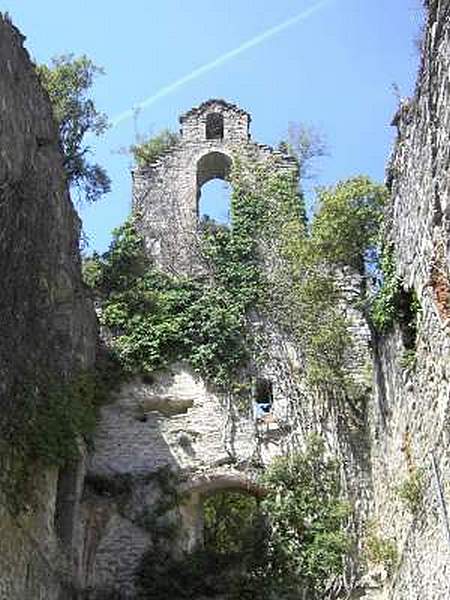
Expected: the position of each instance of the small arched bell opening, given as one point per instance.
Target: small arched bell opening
(214, 126)
(213, 190)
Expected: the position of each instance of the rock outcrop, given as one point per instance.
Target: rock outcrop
(47, 324)
(410, 418)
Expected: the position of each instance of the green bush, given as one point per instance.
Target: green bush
(381, 551)
(306, 517)
(412, 489)
(149, 150)
(291, 542)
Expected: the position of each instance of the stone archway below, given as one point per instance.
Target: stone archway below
(202, 486)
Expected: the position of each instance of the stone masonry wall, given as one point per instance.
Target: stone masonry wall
(175, 424)
(166, 193)
(46, 322)
(171, 425)
(411, 415)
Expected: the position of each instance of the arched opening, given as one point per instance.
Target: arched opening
(222, 514)
(213, 189)
(214, 126)
(214, 203)
(234, 546)
(232, 523)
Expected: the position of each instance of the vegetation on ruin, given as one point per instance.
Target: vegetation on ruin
(290, 542)
(207, 320)
(380, 550)
(68, 81)
(156, 319)
(393, 304)
(148, 149)
(412, 490)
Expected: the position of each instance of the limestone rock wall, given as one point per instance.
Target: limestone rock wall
(410, 418)
(46, 321)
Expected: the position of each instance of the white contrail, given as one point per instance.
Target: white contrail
(262, 37)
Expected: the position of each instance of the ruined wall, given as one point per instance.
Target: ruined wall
(410, 418)
(166, 193)
(170, 427)
(46, 322)
(175, 424)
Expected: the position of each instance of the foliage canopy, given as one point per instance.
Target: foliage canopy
(68, 80)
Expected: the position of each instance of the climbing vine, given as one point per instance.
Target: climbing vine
(268, 263)
(394, 304)
(156, 318)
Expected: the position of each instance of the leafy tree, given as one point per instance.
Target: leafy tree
(306, 517)
(346, 226)
(68, 80)
(305, 143)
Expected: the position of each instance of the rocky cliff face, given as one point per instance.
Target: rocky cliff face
(410, 418)
(46, 322)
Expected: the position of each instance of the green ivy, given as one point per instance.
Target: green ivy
(156, 318)
(384, 308)
(380, 550)
(44, 428)
(394, 304)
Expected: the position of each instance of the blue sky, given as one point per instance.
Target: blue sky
(334, 69)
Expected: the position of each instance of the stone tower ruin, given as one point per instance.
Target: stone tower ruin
(166, 193)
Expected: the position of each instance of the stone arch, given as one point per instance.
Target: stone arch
(202, 486)
(213, 165)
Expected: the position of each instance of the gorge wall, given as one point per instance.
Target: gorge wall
(410, 415)
(47, 324)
